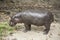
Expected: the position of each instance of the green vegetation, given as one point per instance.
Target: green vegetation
(5, 29)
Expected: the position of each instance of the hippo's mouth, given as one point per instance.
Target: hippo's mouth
(12, 24)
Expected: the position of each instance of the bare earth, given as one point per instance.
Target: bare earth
(37, 33)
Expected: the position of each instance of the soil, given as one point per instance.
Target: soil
(36, 33)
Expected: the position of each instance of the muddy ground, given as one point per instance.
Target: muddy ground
(36, 33)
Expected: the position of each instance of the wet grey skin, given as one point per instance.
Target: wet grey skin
(33, 17)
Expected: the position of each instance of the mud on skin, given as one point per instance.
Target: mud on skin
(33, 17)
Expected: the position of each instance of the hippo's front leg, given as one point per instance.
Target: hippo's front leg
(27, 27)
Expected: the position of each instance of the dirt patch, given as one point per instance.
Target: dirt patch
(37, 33)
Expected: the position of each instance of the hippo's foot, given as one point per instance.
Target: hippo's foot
(46, 31)
(26, 31)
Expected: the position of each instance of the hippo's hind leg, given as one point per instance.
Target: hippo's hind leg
(27, 27)
(47, 26)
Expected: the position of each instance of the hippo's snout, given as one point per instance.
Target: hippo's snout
(12, 24)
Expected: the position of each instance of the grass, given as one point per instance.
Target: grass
(5, 29)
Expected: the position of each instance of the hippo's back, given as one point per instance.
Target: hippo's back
(35, 13)
(35, 17)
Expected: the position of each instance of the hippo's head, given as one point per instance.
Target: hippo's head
(14, 20)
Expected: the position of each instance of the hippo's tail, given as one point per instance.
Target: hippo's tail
(51, 16)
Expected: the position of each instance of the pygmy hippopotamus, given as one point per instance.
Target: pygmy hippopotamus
(34, 17)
